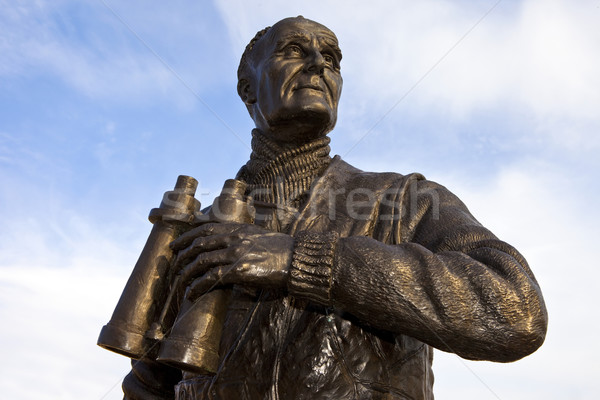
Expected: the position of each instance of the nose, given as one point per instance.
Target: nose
(315, 63)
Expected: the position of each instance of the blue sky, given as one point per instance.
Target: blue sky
(103, 105)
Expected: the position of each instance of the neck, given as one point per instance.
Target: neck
(284, 173)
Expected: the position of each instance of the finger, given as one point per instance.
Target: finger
(203, 263)
(222, 228)
(208, 229)
(199, 245)
(185, 239)
(215, 277)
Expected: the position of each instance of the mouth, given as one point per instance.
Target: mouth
(311, 87)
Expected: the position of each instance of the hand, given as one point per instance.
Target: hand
(232, 253)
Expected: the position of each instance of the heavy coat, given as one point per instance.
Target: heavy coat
(405, 266)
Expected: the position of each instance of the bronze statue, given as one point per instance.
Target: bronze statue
(332, 282)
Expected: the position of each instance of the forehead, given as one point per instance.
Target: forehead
(299, 28)
(302, 30)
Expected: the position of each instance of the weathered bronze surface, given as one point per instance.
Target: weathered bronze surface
(310, 279)
(193, 343)
(147, 287)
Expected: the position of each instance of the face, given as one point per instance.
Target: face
(297, 81)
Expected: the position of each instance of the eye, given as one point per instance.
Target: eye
(293, 50)
(328, 59)
(331, 61)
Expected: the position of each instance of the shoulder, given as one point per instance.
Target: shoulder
(348, 175)
(412, 188)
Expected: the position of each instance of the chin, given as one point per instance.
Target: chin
(301, 126)
(311, 119)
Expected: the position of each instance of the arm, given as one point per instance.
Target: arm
(449, 282)
(453, 285)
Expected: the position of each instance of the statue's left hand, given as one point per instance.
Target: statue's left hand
(217, 254)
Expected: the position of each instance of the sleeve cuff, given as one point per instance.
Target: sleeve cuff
(312, 266)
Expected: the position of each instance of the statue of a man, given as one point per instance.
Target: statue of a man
(343, 291)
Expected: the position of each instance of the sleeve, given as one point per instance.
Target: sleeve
(149, 380)
(450, 283)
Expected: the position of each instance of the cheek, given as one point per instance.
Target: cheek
(286, 75)
(334, 82)
(267, 91)
(277, 80)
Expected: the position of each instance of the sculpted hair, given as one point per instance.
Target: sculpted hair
(248, 52)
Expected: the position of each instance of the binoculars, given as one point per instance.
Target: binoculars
(153, 319)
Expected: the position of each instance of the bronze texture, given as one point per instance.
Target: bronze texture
(311, 279)
(193, 343)
(146, 290)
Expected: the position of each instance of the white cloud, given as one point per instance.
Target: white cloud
(61, 275)
(538, 55)
(51, 328)
(533, 60)
(62, 271)
(535, 208)
(96, 56)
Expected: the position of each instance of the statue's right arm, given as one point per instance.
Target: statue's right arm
(149, 380)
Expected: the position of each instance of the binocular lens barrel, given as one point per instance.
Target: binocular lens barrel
(141, 301)
(193, 343)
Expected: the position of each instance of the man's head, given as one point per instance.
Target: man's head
(289, 78)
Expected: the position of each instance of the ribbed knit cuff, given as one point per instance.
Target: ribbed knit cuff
(312, 265)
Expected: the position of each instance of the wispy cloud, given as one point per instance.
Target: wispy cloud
(95, 54)
(61, 274)
(527, 58)
(50, 328)
(519, 90)
(538, 208)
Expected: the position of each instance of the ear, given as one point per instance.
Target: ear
(246, 92)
